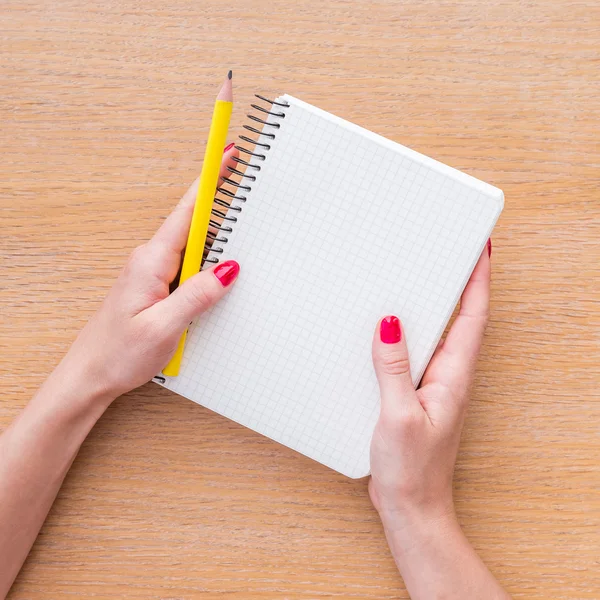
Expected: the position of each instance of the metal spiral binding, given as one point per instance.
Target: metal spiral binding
(247, 176)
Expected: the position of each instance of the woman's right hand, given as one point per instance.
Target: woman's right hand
(416, 439)
(414, 450)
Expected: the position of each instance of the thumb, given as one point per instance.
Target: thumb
(390, 358)
(198, 294)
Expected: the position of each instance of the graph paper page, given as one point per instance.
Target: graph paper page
(340, 228)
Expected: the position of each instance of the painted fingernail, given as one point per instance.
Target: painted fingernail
(489, 247)
(390, 331)
(226, 272)
(228, 147)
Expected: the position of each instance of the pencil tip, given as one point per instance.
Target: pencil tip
(226, 92)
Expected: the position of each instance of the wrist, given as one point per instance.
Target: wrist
(409, 527)
(78, 384)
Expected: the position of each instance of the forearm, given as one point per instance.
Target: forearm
(437, 561)
(36, 452)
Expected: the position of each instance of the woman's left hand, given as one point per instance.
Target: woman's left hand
(136, 330)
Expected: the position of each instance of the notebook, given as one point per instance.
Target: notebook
(334, 227)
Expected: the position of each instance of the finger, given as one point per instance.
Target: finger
(454, 362)
(195, 296)
(390, 358)
(172, 234)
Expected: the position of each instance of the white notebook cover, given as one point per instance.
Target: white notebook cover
(340, 228)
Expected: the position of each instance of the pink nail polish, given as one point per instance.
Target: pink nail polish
(228, 147)
(390, 331)
(226, 272)
(489, 247)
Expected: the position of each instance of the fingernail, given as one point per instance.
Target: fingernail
(228, 147)
(489, 247)
(389, 331)
(226, 272)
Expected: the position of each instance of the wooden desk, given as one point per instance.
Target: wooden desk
(104, 110)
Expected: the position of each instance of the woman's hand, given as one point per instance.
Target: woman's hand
(136, 330)
(414, 449)
(416, 439)
(128, 341)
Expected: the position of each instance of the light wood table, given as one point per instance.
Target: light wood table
(104, 111)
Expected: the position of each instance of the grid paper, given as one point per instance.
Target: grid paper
(341, 228)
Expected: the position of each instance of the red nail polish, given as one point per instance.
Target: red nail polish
(489, 247)
(226, 272)
(228, 147)
(390, 331)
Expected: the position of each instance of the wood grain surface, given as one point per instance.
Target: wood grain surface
(105, 108)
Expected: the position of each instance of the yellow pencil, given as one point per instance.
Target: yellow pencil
(204, 200)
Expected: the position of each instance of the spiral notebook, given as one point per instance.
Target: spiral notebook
(334, 227)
